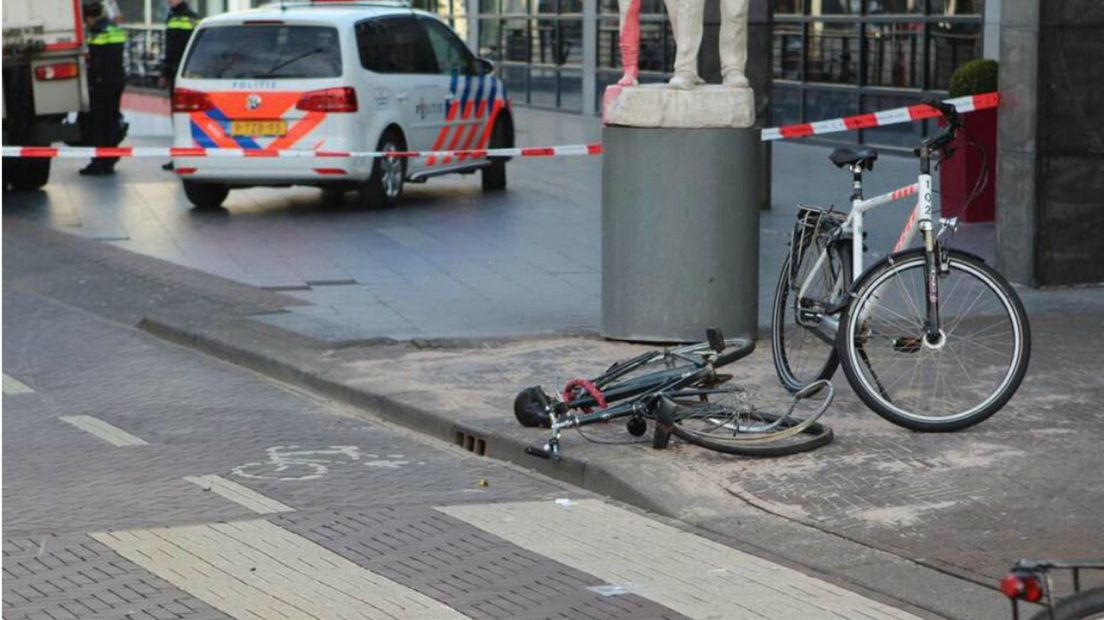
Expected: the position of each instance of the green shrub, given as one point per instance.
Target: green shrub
(974, 78)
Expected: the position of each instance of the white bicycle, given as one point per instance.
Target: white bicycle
(930, 338)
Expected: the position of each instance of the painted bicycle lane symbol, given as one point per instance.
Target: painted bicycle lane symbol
(294, 463)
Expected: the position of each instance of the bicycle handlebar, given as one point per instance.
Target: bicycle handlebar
(943, 139)
(947, 110)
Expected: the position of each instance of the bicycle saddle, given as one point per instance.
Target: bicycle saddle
(846, 156)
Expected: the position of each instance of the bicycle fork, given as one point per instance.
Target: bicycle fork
(934, 263)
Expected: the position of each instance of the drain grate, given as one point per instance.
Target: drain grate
(471, 443)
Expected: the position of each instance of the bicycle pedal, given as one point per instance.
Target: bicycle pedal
(716, 339)
(663, 410)
(636, 426)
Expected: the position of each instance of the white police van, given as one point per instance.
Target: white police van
(334, 77)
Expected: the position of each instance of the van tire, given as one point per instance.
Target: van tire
(25, 175)
(494, 175)
(206, 195)
(384, 188)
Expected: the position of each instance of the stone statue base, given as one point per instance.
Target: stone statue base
(659, 105)
(680, 232)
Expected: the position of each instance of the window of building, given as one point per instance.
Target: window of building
(452, 12)
(837, 57)
(538, 47)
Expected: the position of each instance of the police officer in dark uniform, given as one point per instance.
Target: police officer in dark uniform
(179, 26)
(106, 79)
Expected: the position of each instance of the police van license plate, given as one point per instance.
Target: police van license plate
(258, 128)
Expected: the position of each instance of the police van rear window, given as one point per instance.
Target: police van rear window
(264, 51)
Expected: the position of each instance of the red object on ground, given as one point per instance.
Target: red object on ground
(595, 393)
(958, 175)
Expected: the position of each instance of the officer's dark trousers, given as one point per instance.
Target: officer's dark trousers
(104, 110)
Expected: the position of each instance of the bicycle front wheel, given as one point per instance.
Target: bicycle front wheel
(964, 377)
(736, 422)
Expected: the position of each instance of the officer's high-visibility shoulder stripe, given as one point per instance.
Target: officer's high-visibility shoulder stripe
(109, 36)
(181, 22)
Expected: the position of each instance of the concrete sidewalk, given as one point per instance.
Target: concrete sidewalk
(932, 520)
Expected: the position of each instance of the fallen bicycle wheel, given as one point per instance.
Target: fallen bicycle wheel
(731, 422)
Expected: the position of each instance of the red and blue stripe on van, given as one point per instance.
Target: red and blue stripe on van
(211, 128)
(484, 109)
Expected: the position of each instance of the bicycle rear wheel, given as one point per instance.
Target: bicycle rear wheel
(802, 343)
(956, 382)
(730, 422)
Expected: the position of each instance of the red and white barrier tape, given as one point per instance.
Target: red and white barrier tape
(139, 151)
(879, 119)
(849, 123)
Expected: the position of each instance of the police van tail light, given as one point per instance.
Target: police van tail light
(57, 71)
(341, 99)
(186, 100)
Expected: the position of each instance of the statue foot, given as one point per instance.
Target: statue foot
(685, 81)
(736, 80)
(628, 80)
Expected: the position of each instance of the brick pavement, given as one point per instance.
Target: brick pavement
(138, 530)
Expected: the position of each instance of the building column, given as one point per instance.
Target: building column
(1050, 162)
(473, 25)
(590, 58)
(990, 35)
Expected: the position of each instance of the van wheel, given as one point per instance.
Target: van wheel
(384, 188)
(206, 195)
(26, 175)
(494, 176)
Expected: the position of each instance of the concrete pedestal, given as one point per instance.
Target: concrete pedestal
(657, 105)
(680, 232)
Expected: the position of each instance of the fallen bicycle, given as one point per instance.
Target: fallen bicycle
(679, 391)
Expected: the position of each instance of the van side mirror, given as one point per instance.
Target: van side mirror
(484, 66)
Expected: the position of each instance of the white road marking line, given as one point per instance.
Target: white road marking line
(239, 494)
(14, 386)
(679, 570)
(111, 434)
(254, 569)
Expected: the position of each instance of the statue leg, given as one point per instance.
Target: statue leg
(733, 42)
(629, 40)
(687, 17)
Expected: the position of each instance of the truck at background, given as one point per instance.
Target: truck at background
(44, 81)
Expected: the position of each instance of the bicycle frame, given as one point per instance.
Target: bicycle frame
(853, 225)
(693, 378)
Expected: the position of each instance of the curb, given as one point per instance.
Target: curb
(481, 440)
